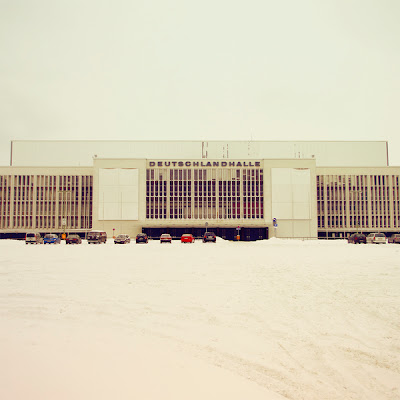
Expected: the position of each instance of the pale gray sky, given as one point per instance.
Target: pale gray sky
(211, 69)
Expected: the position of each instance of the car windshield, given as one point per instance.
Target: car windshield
(93, 234)
(73, 236)
(50, 236)
(165, 235)
(30, 235)
(380, 235)
(121, 236)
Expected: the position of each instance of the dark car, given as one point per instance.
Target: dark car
(122, 238)
(73, 239)
(357, 238)
(165, 238)
(96, 237)
(51, 238)
(141, 238)
(209, 237)
(395, 238)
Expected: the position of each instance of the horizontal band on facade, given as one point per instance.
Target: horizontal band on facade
(206, 164)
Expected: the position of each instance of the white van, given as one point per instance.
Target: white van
(33, 238)
(378, 238)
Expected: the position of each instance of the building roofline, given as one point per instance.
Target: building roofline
(205, 140)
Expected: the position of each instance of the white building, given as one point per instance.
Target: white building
(308, 189)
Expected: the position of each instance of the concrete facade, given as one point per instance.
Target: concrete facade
(288, 226)
(195, 190)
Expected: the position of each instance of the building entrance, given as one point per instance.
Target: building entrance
(246, 234)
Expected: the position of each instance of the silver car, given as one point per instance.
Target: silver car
(395, 238)
(376, 237)
(122, 238)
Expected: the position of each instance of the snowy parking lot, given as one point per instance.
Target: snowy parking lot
(276, 319)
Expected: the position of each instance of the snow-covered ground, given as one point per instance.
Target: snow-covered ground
(275, 319)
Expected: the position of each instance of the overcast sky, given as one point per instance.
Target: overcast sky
(194, 70)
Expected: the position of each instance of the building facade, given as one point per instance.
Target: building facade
(46, 200)
(228, 187)
(358, 199)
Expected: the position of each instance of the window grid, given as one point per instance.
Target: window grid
(42, 201)
(204, 193)
(358, 202)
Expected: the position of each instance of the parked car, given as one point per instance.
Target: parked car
(51, 238)
(122, 238)
(97, 237)
(165, 238)
(357, 238)
(209, 237)
(376, 237)
(33, 238)
(187, 238)
(395, 238)
(141, 238)
(73, 239)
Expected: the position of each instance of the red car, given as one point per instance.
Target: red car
(187, 238)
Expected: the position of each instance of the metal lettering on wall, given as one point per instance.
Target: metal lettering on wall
(204, 164)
